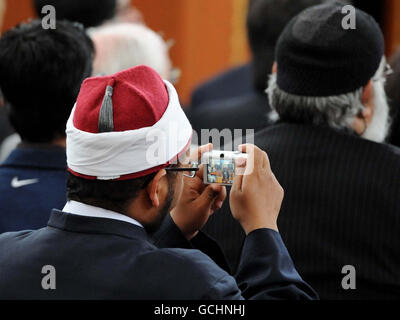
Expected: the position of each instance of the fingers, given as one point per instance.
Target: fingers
(256, 158)
(200, 173)
(252, 160)
(265, 164)
(219, 200)
(237, 183)
(205, 201)
(240, 167)
(202, 149)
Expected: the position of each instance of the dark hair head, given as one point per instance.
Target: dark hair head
(41, 73)
(111, 195)
(90, 13)
(393, 93)
(266, 20)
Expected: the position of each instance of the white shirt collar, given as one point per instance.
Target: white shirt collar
(81, 209)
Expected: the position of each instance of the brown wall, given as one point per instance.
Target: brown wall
(209, 35)
(392, 33)
(16, 12)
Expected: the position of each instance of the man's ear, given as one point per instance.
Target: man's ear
(364, 118)
(275, 67)
(368, 102)
(154, 188)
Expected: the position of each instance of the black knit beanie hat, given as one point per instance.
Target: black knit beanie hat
(317, 57)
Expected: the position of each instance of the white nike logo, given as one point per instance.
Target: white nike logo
(15, 183)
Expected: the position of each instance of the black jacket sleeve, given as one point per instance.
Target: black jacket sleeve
(170, 236)
(266, 270)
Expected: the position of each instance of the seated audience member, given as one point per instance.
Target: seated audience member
(118, 191)
(122, 46)
(41, 73)
(265, 21)
(90, 13)
(327, 150)
(393, 93)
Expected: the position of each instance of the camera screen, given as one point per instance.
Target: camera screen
(220, 171)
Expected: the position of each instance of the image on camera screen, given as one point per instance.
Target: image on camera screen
(220, 171)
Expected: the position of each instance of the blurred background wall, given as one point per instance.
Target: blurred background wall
(209, 35)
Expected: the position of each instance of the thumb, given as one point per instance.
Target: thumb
(207, 197)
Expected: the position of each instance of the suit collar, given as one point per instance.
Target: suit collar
(321, 133)
(42, 157)
(82, 224)
(82, 209)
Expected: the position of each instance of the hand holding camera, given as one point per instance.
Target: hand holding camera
(198, 201)
(256, 196)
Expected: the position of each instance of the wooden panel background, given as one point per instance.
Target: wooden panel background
(209, 35)
(16, 12)
(392, 26)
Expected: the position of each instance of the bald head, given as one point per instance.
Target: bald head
(122, 46)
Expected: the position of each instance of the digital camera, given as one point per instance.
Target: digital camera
(219, 166)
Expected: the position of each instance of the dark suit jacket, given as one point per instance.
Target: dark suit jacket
(244, 112)
(394, 136)
(234, 82)
(27, 206)
(341, 207)
(97, 258)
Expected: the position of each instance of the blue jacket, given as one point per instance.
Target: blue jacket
(98, 258)
(233, 83)
(32, 182)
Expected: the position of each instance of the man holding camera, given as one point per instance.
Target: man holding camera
(98, 245)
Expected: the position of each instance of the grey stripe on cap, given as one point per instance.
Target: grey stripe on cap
(106, 117)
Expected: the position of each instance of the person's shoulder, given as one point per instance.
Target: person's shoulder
(391, 149)
(191, 260)
(178, 273)
(382, 150)
(390, 152)
(230, 83)
(244, 112)
(303, 137)
(10, 240)
(16, 235)
(223, 78)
